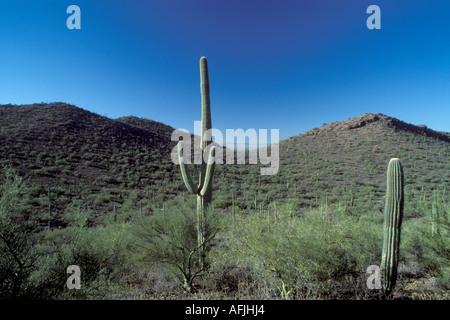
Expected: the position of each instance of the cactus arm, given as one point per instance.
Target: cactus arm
(209, 171)
(184, 170)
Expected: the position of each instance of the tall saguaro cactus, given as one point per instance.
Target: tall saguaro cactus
(393, 214)
(204, 189)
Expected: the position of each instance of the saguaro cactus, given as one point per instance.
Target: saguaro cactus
(435, 217)
(393, 214)
(204, 189)
(49, 202)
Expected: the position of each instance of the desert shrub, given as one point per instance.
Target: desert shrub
(169, 235)
(100, 251)
(18, 255)
(105, 180)
(100, 198)
(304, 254)
(431, 247)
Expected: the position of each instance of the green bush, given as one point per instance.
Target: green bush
(304, 254)
(20, 255)
(100, 251)
(431, 249)
(169, 236)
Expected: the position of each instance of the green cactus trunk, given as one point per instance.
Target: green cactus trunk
(435, 216)
(202, 206)
(49, 202)
(204, 200)
(204, 188)
(393, 214)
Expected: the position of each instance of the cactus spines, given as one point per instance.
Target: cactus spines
(393, 214)
(204, 189)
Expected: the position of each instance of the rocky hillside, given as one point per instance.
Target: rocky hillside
(66, 153)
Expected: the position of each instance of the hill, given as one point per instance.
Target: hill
(345, 162)
(157, 128)
(67, 152)
(74, 153)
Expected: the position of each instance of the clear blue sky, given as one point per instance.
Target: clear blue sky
(288, 65)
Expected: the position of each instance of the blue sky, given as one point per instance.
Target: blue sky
(287, 65)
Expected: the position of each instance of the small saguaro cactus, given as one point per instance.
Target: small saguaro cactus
(393, 214)
(204, 189)
(434, 217)
(49, 202)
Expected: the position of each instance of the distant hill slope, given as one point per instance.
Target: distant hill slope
(383, 120)
(345, 163)
(77, 153)
(157, 128)
(126, 163)
(351, 156)
(62, 136)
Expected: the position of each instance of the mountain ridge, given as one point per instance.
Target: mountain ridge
(104, 161)
(165, 130)
(367, 118)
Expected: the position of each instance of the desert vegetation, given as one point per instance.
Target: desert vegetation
(273, 252)
(77, 188)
